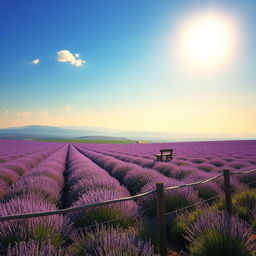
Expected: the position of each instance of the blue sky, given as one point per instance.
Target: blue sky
(130, 79)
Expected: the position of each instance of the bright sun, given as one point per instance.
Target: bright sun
(206, 41)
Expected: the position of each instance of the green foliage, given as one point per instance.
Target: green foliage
(148, 230)
(206, 192)
(254, 223)
(249, 179)
(243, 203)
(177, 227)
(41, 232)
(214, 243)
(110, 241)
(103, 214)
(174, 202)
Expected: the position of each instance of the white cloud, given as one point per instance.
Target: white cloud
(7, 111)
(67, 108)
(43, 113)
(23, 114)
(67, 56)
(36, 61)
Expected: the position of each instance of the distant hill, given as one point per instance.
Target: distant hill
(101, 138)
(102, 133)
(35, 132)
(47, 131)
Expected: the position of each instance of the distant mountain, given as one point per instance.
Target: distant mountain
(74, 132)
(93, 128)
(47, 131)
(101, 138)
(51, 132)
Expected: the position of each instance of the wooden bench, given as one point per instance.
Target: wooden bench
(167, 153)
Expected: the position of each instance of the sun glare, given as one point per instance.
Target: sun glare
(207, 41)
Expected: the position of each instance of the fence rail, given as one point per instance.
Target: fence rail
(194, 183)
(118, 200)
(73, 209)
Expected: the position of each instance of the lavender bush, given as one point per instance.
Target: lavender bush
(3, 188)
(219, 234)
(135, 179)
(35, 248)
(112, 242)
(54, 228)
(174, 199)
(8, 175)
(124, 213)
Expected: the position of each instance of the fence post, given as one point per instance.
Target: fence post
(227, 190)
(161, 218)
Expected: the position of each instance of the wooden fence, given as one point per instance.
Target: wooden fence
(161, 214)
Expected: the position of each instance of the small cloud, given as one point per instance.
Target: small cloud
(23, 114)
(36, 61)
(67, 108)
(67, 56)
(7, 111)
(43, 113)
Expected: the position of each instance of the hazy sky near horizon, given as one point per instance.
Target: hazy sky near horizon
(116, 64)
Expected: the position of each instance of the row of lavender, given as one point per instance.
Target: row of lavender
(138, 179)
(225, 153)
(209, 149)
(42, 188)
(39, 189)
(88, 183)
(189, 168)
(125, 223)
(187, 174)
(27, 156)
(16, 149)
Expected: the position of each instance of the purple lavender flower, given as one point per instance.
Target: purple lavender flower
(45, 186)
(217, 162)
(121, 169)
(239, 165)
(219, 234)
(165, 168)
(84, 185)
(19, 168)
(54, 227)
(183, 172)
(3, 188)
(174, 199)
(210, 190)
(8, 175)
(206, 167)
(123, 213)
(112, 242)
(198, 160)
(3, 159)
(35, 248)
(135, 179)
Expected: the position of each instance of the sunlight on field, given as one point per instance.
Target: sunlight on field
(42, 178)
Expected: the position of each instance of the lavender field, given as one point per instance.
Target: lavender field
(46, 176)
